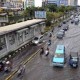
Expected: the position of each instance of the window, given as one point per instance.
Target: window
(2, 42)
(11, 39)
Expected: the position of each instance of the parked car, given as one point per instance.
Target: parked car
(74, 59)
(65, 27)
(37, 39)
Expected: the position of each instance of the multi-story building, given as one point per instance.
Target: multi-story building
(57, 2)
(2, 2)
(63, 2)
(45, 2)
(72, 2)
(29, 3)
(13, 4)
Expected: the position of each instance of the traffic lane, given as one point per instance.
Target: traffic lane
(20, 58)
(40, 68)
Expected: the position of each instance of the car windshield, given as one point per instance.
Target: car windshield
(59, 55)
(36, 38)
(74, 59)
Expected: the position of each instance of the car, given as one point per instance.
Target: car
(37, 39)
(60, 35)
(76, 21)
(65, 27)
(74, 59)
(62, 31)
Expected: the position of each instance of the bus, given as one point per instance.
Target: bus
(59, 57)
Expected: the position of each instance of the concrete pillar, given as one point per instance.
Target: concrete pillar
(7, 43)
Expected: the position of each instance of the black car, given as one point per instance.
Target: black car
(74, 59)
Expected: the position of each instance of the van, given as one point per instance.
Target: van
(59, 57)
(37, 39)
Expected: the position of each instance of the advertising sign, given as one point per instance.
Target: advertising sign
(40, 14)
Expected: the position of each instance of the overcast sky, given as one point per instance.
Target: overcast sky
(39, 3)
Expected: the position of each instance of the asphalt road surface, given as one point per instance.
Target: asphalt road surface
(40, 68)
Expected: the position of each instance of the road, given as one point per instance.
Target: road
(40, 68)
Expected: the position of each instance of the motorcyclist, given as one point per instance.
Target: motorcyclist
(47, 52)
(42, 51)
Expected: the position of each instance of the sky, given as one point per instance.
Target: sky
(39, 3)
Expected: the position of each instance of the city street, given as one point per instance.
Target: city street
(40, 68)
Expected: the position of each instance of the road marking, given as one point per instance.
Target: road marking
(24, 62)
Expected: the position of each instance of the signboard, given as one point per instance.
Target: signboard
(40, 14)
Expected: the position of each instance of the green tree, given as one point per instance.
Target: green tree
(51, 7)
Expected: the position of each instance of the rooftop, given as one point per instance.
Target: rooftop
(25, 24)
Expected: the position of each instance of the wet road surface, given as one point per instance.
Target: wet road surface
(40, 68)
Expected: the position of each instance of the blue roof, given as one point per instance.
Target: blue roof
(61, 60)
(60, 49)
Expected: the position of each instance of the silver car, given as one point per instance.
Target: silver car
(37, 39)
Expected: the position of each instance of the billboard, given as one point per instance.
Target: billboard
(40, 14)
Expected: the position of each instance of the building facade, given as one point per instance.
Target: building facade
(57, 2)
(14, 37)
(11, 3)
(29, 3)
(72, 2)
(2, 2)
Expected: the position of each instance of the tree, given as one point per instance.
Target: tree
(1, 10)
(51, 7)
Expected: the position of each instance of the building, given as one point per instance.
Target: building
(13, 4)
(2, 2)
(14, 37)
(3, 19)
(29, 3)
(63, 2)
(45, 2)
(57, 2)
(72, 2)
